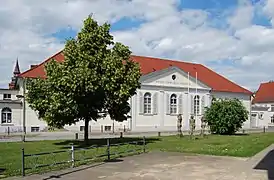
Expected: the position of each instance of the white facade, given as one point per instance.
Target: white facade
(163, 95)
(262, 115)
(11, 109)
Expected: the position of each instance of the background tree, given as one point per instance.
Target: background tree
(226, 116)
(94, 80)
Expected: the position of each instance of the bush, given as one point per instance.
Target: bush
(226, 116)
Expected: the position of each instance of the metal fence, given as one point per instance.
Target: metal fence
(70, 156)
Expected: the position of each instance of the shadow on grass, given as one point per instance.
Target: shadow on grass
(103, 142)
(236, 134)
(240, 134)
(267, 163)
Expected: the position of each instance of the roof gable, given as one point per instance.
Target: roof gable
(162, 74)
(150, 64)
(265, 93)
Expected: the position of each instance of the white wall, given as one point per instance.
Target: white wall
(16, 124)
(8, 91)
(261, 121)
(161, 120)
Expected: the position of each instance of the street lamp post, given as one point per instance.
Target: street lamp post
(24, 114)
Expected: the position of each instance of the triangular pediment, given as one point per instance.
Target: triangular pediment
(172, 77)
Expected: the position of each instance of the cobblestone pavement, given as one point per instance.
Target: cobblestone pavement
(167, 166)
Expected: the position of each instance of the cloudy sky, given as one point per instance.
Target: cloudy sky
(233, 37)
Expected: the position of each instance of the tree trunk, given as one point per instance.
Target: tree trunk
(86, 131)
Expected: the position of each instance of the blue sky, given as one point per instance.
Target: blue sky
(229, 36)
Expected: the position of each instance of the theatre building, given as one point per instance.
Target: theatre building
(168, 88)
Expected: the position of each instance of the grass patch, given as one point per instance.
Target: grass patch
(11, 154)
(237, 145)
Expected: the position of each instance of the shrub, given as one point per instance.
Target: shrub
(226, 116)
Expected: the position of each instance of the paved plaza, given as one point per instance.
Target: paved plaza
(172, 166)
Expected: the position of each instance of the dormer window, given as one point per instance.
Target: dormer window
(7, 96)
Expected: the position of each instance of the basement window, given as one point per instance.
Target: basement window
(34, 129)
(107, 128)
(7, 96)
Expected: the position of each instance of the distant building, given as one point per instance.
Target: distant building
(263, 106)
(168, 88)
(11, 106)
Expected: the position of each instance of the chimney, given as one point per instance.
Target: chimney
(33, 66)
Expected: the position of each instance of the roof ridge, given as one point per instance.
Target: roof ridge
(269, 82)
(165, 59)
(221, 76)
(48, 59)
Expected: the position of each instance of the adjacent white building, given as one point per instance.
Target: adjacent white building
(263, 106)
(168, 88)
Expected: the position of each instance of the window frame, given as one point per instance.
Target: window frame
(173, 103)
(8, 96)
(147, 104)
(196, 105)
(272, 119)
(6, 115)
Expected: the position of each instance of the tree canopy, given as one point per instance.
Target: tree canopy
(226, 116)
(96, 79)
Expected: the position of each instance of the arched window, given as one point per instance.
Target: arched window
(173, 104)
(196, 105)
(6, 115)
(147, 103)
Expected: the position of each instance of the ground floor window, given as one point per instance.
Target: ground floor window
(6, 115)
(34, 129)
(82, 128)
(272, 119)
(107, 128)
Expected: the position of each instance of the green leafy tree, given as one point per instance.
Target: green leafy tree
(95, 80)
(226, 116)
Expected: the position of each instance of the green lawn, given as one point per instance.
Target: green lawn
(240, 145)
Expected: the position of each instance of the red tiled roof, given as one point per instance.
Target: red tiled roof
(149, 64)
(265, 93)
(39, 70)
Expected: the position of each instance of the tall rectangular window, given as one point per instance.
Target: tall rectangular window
(147, 103)
(173, 104)
(196, 105)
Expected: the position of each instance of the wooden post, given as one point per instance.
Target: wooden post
(144, 144)
(23, 162)
(108, 149)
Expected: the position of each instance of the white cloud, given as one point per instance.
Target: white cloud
(26, 26)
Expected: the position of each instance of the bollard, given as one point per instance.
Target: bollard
(76, 136)
(144, 144)
(72, 155)
(108, 149)
(8, 131)
(264, 129)
(159, 134)
(121, 134)
(124, 128)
